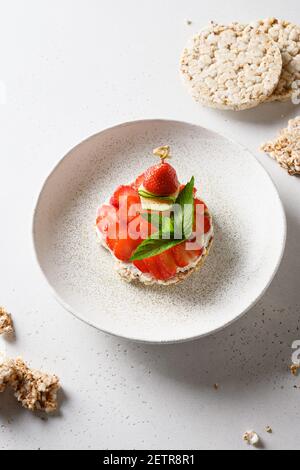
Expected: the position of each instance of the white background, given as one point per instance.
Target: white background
(72, 68)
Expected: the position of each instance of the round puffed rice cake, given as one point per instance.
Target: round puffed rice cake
(287, 37)
(231, 67)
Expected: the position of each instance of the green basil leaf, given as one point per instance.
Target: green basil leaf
(153, 247)
(153, 218)
(164, 223)
(186, 201)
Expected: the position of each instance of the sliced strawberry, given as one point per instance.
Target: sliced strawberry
(184, 256)
(123, 249)
(194, 244)
(193, 254)
(139, 181)
(141, 265)
(112, 236)
(128, 202)
(181, 256)
(111, 242)
(207, 224)
(125, 194)
(123, 236)
(102, 225)
(199, 222)
(107, 218)
(166, 265)
(107, 211)
(198, 202)
(161, 180)
(133, 211)
(198, 253)
(199, 210)
(133, 229)
(152, 266)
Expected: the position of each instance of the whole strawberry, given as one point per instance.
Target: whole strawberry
(161, 179)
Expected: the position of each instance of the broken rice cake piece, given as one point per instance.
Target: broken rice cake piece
(286, 148)
(7, 372)
(34, 389)
(6, 323)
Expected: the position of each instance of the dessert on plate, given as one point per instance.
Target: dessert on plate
(156, 228)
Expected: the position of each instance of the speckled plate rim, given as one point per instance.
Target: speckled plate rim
(78, 315)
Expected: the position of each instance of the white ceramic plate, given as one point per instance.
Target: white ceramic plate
(249, 220)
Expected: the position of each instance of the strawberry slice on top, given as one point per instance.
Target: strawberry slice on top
(161, 179)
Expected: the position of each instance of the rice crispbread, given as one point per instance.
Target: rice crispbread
(287, 37)
(231, 67)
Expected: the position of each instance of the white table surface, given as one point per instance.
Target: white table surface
(70, 69)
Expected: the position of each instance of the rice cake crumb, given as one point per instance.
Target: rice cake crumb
(251, 437)
(6, 323)
(294, 369)
(232, 67)
(286, 148)
(35, 390)
(269, 429)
